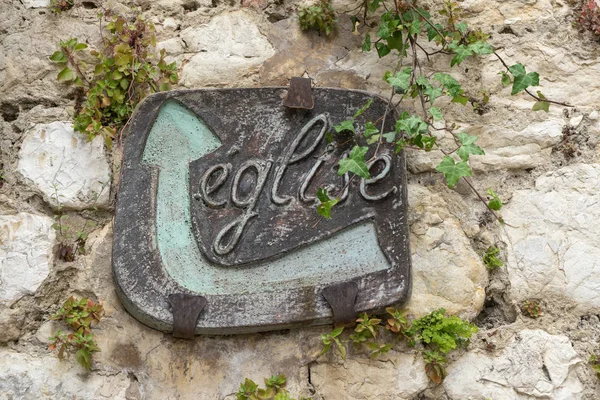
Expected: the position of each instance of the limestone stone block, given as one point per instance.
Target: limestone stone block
(553, 237)
(26, 242)
(54, 156)
(447, 273)
(535, 365)
(228, 48)
(394, 376)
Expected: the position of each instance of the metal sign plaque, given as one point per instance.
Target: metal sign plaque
(216, 229)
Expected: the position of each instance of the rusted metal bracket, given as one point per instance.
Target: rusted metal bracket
(299, 94)
(186, 310)
(341, 298)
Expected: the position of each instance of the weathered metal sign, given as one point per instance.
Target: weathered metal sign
(216, 229)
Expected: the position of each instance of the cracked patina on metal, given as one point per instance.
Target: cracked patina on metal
(217, 202)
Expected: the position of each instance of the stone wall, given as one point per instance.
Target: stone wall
(551, 242)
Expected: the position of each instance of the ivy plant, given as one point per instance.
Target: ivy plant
(319, 16)
(124, 71)
(274, 389)
(397, 29)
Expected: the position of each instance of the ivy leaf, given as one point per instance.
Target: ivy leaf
(366, 46)
(355, 163)
(347, 125)
(389, 137)
(373, 6)
(382, 49)
(449, 83)
(413, 126)
(523, 80)
(468, 146)
(370, 129)
(495, 203)
(541, 105)
(363, 109)
(460, 99)
(395, 42)
(461, 53)
(432, 33)
(83, 357)
(481, 47)
(326, 203)
(401, 80)
(428, 89)
(462, 27)
(453, 171)
(66, 75)
(80, 46)
(506, 81)
(436, 113)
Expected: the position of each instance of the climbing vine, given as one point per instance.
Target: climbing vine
(412, 34)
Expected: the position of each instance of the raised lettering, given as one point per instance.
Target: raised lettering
(206, 189)
(387, 160)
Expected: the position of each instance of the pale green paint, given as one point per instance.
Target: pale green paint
(178, 137)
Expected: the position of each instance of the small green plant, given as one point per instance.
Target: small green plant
(124, 71)
(595, 364)
(71, 242)
(532, 309)
(440, 332)
(436, 334)
(58, 6)
(81, 316)
(333, 337)
(274, 389)
(490, 258)
(319, 16)
(435, 366)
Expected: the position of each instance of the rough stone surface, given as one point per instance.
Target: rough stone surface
(536, 365)
(26, 242)
(30, 378)
(36, 3)
(553, 236)
(447, 273)
(394, 376)
(224, 52)
(53, 155)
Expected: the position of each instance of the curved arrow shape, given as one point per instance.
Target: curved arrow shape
(178, 137)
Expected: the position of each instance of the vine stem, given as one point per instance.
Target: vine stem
(527, 90)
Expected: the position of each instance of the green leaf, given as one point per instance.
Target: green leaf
(413, 126)
(460, 99)
(83, 357)
(80, 46)
(58, 57)
(432, 33)
(506, 81)
(541, 105)
(373, 6)
(355, 163)
(390, 137)
(468, 146)
(481, 47)
(453, 171)
(449, 83)
(382, 49)
(363, 109)
(347, 125)
(324, 208)
(436, 113)
(495, 203)
(522, 80)
(366, 46)
(66, 75)
(401, 80)
(461, 53)
(462, 27)
(395, 42)
(370, 129)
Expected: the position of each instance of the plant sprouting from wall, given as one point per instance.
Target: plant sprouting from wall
(58, 6)
(490, 258)
(81, 316)
(435, 335)
(319, 16)
(123, 71)
(274, 389)
(589, 18)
